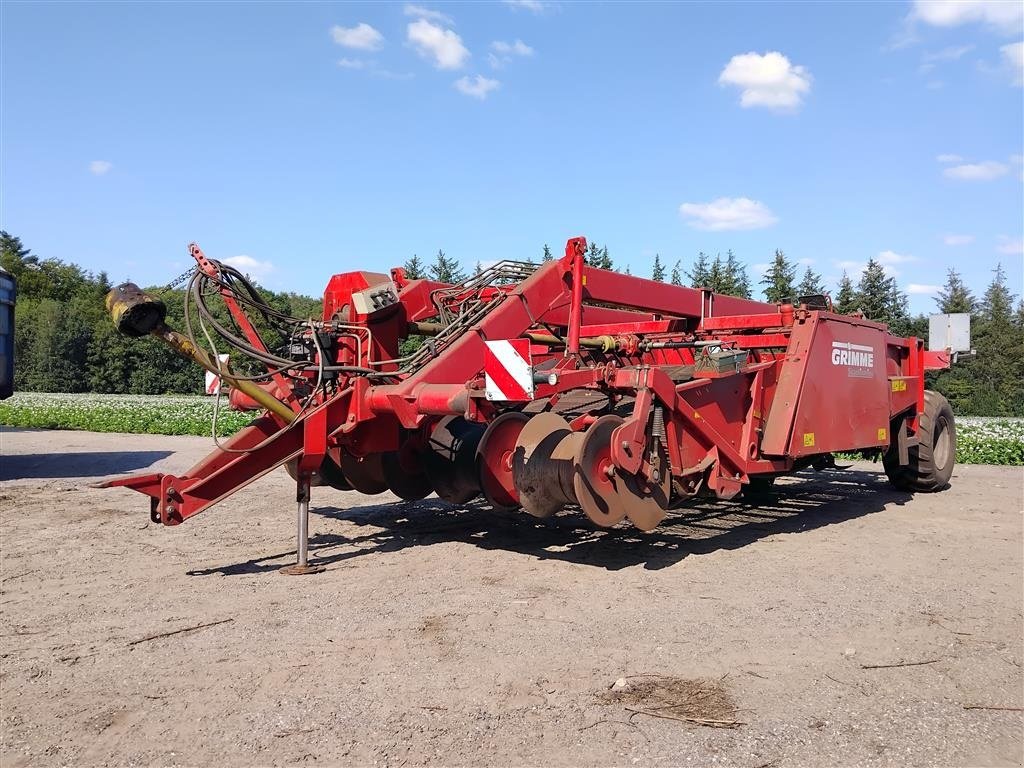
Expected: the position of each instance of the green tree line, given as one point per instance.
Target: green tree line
(64, 340)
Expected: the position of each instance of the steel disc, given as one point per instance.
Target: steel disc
(404, 475)
(365, 474)
(594, 479)
(534, 467)
(450, 459)
(328, 474)
(331, 472)
(494, 460)
(647, 502)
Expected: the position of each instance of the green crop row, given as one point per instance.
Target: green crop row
(986, 450)
(144, 414)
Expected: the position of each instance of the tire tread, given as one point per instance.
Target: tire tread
(921, 474)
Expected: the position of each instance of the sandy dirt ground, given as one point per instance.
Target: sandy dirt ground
(457, 636)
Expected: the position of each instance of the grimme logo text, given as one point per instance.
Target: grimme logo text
(853, 356)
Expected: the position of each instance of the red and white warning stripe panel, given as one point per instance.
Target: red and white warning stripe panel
(508, 370)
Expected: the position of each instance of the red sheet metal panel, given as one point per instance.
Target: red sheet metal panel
(833, 394)
(665, 298)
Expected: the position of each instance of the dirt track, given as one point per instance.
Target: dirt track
(457, 637)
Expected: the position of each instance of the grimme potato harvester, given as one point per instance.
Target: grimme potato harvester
(541, 387)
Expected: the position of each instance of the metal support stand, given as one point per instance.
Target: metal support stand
(302, 566)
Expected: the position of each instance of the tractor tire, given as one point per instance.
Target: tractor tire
(932, 459)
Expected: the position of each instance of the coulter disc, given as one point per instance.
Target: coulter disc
(494, 460)
(328, 474)
(365, 474)
(594, 478)
(450, 459)
(646, 502)
(535, 468)
(405, 477)
(331, 472)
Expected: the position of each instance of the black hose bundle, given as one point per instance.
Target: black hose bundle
(291, 330)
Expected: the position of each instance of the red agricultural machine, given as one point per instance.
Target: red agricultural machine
(540, 387)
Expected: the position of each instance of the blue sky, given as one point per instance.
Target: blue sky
(306, 139)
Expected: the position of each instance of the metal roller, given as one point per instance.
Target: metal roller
(450, 459)
(542, 465)
(494, 460)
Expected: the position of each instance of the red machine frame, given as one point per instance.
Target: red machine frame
(783, 398)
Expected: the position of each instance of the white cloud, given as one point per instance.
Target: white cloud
(502, 52)
(891, 257)
(352, 63)
(534, 6)
(1013, 59)
(250, 266)
(768, 80)
(1017, 159)
(442, 45)
(904, 37)
(478, 87)
(728, 213)
(984, 171)
(100, 167)
(954, 240)
(426, 13)
(951, 53)
(920, 289)
(1005, 15)
(518, 48)
(1009, 246)
(949, 158)
(362, 37)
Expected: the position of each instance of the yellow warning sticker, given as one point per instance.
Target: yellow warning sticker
(808, 439)
(899, 385)
(882, 434)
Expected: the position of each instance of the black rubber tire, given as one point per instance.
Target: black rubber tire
(933, 458)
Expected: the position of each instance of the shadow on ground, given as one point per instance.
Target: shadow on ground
(97, 464)
(815, 500)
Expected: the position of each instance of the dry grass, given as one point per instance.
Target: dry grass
(703, 702)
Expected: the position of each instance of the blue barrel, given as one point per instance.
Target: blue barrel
(7, 295)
